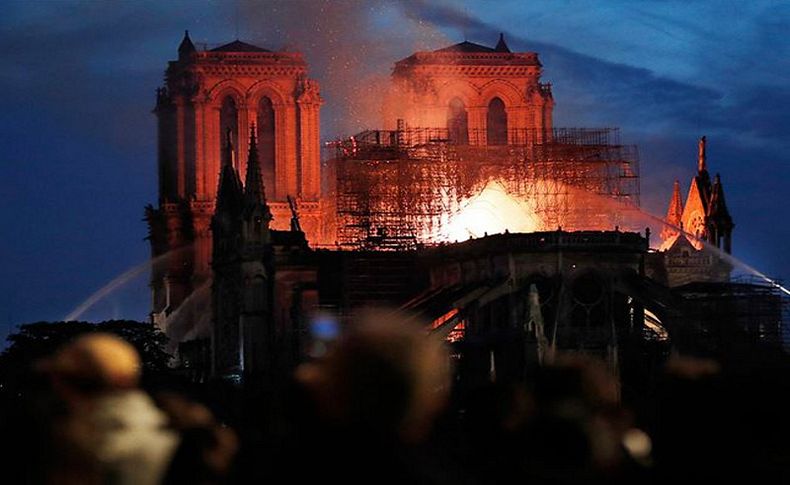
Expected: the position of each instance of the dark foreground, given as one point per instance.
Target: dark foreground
(383, 406)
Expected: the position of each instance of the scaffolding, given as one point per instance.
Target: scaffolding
(763, 309)
(397, 189)
(755, 308)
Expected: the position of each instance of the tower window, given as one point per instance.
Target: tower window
(229, 120)
(266, 142)
(457, 124)
(496, 123)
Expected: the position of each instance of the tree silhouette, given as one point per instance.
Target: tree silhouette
(34, 341)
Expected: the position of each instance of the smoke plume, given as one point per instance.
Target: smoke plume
(350, 46)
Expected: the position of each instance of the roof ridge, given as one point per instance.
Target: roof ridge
(466, 46)
(239, 46)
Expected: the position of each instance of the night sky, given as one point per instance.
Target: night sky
(77, 137)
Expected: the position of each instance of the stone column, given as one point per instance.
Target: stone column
(180, 152)
(548, 122)
(200, 163)
(310, 183)
(213, 147)
(477, 124)
(518, 124)
(201, 223)
(285, 164)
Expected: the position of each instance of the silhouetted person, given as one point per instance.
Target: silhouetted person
(207, 450)
(374, 398)
(112, 432)
(578, 433)
(494, 420)
(718, 424)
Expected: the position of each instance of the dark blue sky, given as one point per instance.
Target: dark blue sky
(77, 135)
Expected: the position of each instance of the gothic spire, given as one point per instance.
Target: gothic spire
(229, 153)
(718, 221)
(254, 191)
(674, 216)
(253, 183)
(702, 163)
(186, 48)
(501, 46)
(675, 210)
(703, 178)
(229, 192)
(717, 207)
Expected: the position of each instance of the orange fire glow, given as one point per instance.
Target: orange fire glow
(492, 211)
(444, 318)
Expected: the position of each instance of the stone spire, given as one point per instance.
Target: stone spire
(229, 153)
(702, 178)
(254, 191)
(674, 213)
(229, 192)
(717, 209)
(702, 163)
(675, 210)
(719, 221)
(186, 48)
(501, 46)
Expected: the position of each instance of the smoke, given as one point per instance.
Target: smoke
(350, 46)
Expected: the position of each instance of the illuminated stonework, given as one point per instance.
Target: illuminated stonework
(697, 230)
(482, 95)
(704, 217)
(231, 88)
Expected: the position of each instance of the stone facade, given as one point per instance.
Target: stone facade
(207, 93)
(473, 90)
(506, 301)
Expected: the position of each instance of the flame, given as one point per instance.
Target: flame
(492, 211)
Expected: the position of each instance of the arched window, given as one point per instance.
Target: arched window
(457, 125)
(496, 123)
(229, 120)
(266, 143)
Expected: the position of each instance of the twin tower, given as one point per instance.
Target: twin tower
(211, 100)
(480, 95)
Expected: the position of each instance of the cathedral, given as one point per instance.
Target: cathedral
(263, 248)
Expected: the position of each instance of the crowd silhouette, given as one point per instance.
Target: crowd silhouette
(381, 406)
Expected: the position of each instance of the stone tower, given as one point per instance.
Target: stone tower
(207, 94)
(482, 95)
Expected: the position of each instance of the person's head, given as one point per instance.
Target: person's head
(387, 374)
(93, 363)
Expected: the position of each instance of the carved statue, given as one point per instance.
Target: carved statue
(308, 91)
